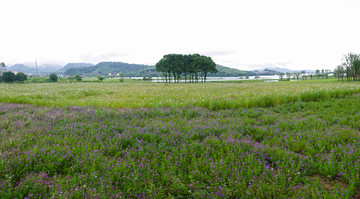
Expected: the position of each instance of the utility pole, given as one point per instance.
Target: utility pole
(36, 68)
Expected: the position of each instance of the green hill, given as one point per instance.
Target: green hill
(21, 68)
(230, 72)
(139, 70)
(104, 68)
(73, 65)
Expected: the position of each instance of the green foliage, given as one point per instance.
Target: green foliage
(137, 94)
(104, 68)
(100, 77)
(193, 66)
(21, 77)
(53, 77)
(230, 72)
(78, 78)
(144, 78)
(351, 67)
(8, 77)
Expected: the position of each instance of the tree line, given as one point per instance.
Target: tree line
(349, 68)
(191, 67)
(10, 76)
(323, 74)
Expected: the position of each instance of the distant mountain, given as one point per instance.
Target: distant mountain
(104, 68)
(266, 72)
(286, 70)
(42, 69)
(21, 68)
(48, 68)
(230, 72)
(138, 70)
(73, 65)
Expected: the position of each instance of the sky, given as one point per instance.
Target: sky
(242, 34)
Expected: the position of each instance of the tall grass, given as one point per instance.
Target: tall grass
(211, 95)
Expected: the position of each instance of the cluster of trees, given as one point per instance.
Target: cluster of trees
(323, 74)
(192, 67)
(349, 68)
(11, 77)
(288, 75)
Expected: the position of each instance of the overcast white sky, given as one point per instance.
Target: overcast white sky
(297, 34)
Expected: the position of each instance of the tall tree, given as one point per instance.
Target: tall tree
(317, 73)
(281, 75)
(356, 66)
(288, 75)
(349, 63)
(303, 72)
(205, 65)
(2, 69)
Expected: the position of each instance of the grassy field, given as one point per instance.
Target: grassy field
(278, 140)
(213, 96)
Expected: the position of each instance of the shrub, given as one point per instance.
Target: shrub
(78, 78)
(8, 76)
(53, 77)
(21, 77)
(100, 77)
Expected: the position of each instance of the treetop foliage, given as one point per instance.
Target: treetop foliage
(190, 66)
(349, 68)
(53, 77)
(11, 77)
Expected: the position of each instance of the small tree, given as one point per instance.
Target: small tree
(288, 75)
(78, 78)
(21, 77)
(303, 72)
(8, 76)
(53, 77)
(100, 78)
(317, 73)
(281, 75)
(122, 75)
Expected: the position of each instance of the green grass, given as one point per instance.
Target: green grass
(210, 95)
(154, 140)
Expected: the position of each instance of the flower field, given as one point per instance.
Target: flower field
(183, 145)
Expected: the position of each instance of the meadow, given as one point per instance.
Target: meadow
(213, 96)
(214, 140)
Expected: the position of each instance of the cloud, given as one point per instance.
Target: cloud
(270, 65)
(218, 53)
(104, 57)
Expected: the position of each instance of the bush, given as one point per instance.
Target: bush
(100, 77)
(8, 76)
(21, 77)
(78, 78)
(53, 77)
